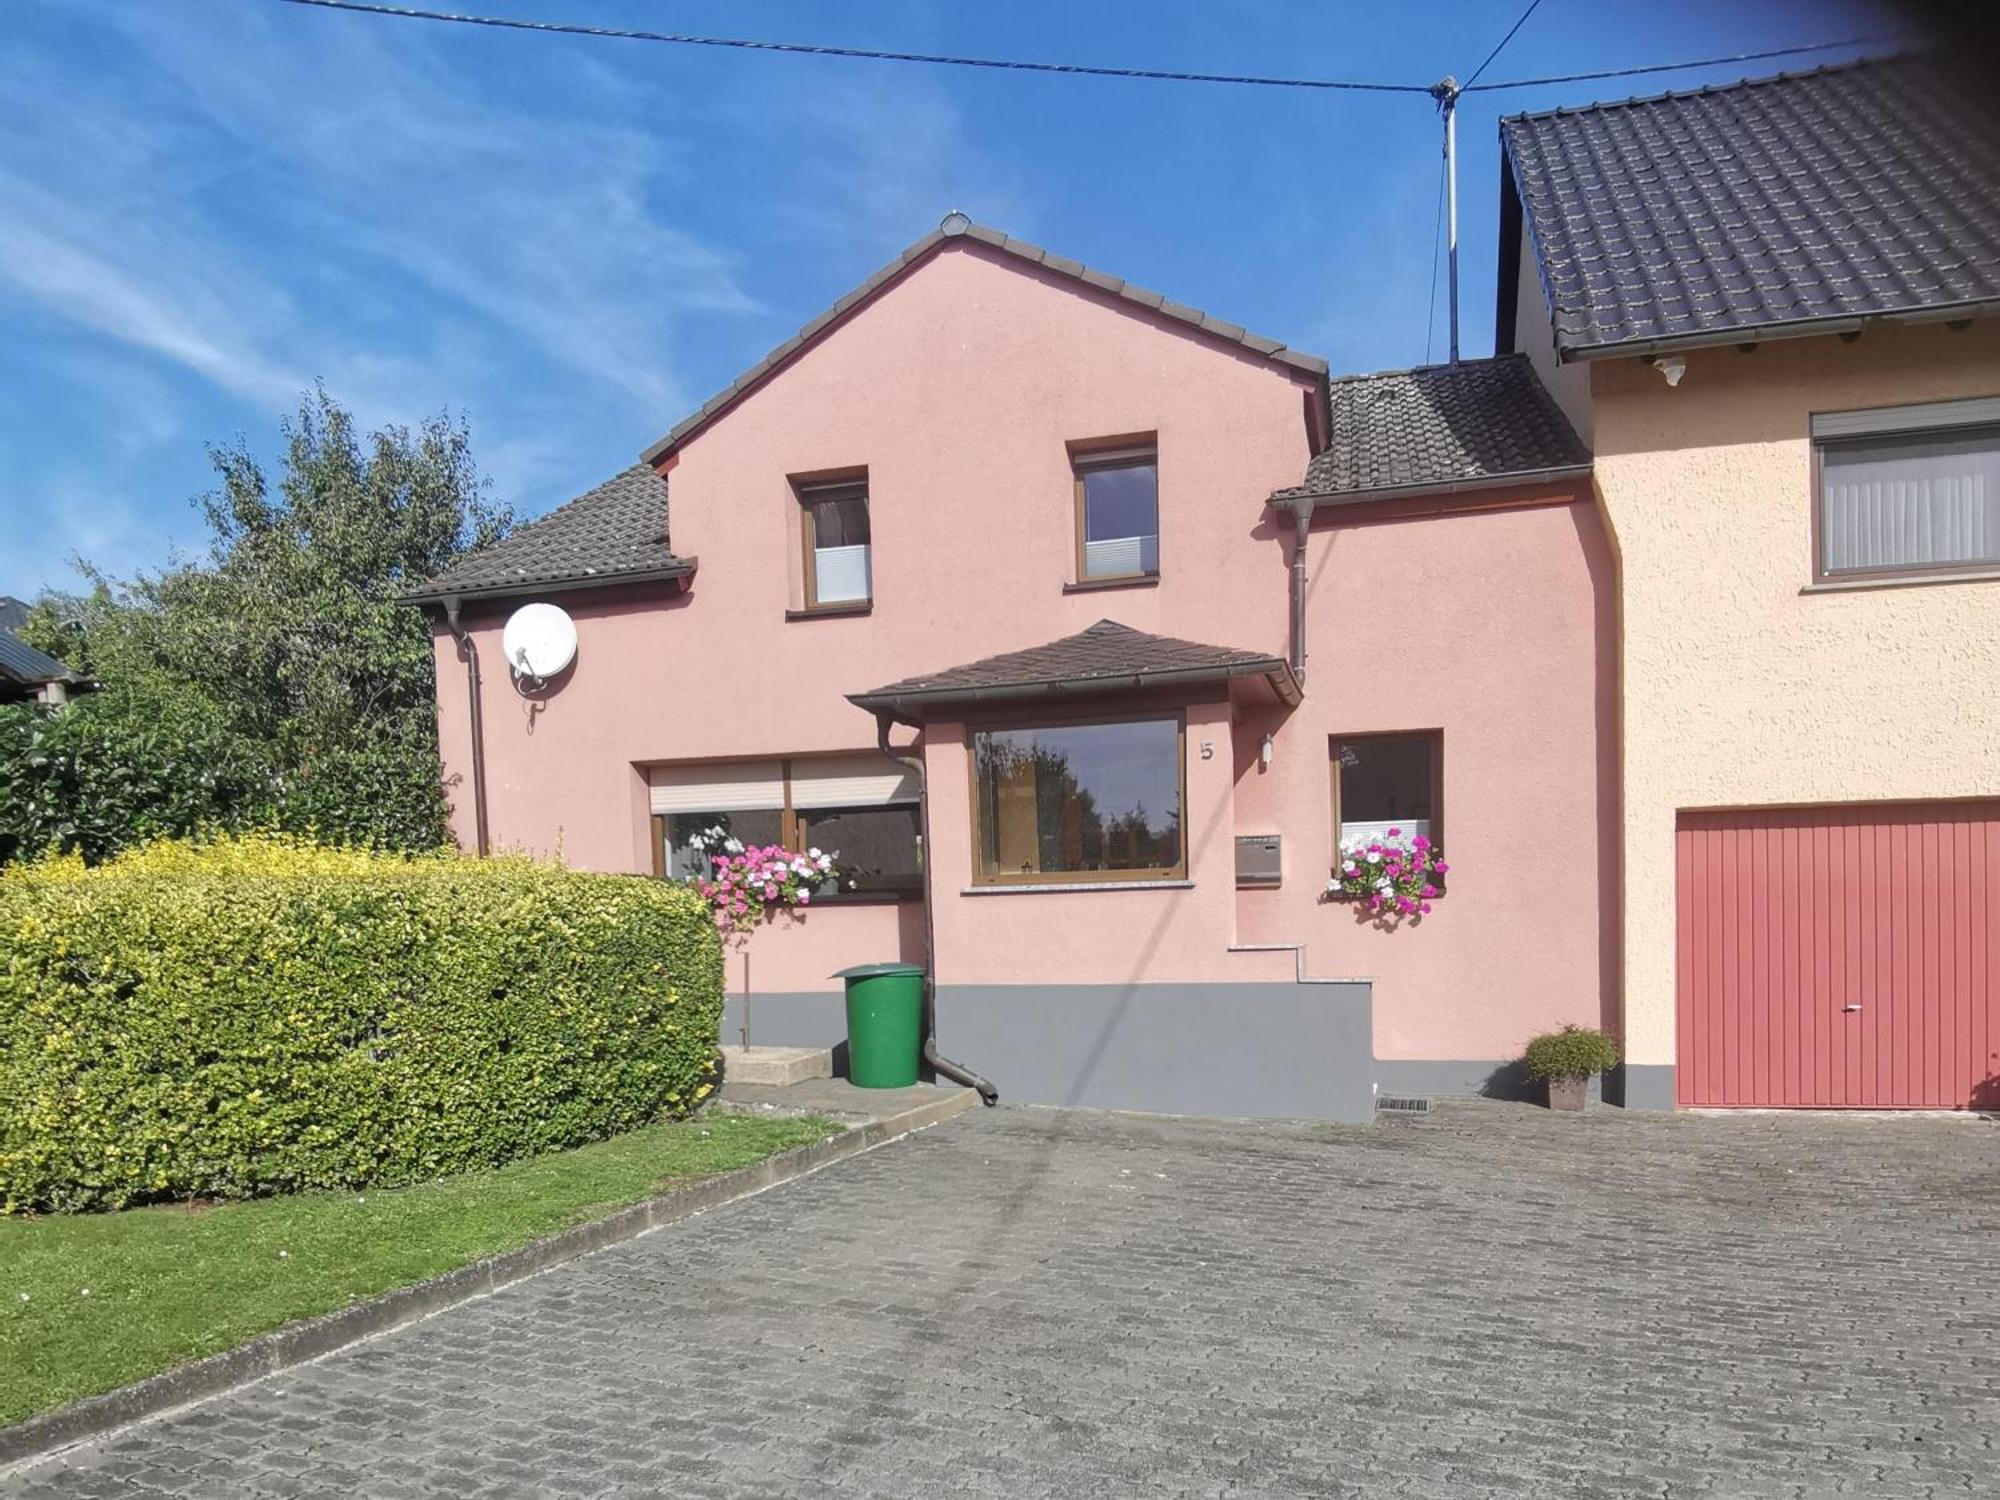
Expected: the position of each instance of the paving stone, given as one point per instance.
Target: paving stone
(1489, 1301)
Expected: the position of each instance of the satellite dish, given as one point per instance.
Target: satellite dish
(539, 642)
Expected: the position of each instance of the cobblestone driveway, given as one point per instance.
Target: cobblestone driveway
(1490, 1302)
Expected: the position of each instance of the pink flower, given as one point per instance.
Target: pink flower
(1395, 832)
(1420, 842)
(770, 893)
(1424, 906)
(1430, 890)
(1404, 904)
(1440, 867)
(805, 898)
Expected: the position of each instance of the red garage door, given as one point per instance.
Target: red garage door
(1839, 957)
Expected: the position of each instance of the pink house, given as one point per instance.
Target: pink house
(1166, 625)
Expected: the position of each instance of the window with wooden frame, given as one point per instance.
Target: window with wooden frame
(1079, 801)
(1385, 781)
(860, 808)
(1117, 508)
(834, 529)
(1907, 490)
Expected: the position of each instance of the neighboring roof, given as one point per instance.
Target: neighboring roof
(1479, 422)
(20, 662)
(957, 226)
(616, 533)
(1108, 657)
(1777, 206)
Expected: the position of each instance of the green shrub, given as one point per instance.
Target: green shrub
(259, 1015)
(1573, 1052)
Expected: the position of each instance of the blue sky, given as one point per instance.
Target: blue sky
(206, 205)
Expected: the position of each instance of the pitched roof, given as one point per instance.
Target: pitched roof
(1478, 422)
(1106, 658)
(954, 227)
(612, 534)
(20, 662)
(1779, 205)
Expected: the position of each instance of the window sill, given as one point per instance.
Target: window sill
(1075, 887)
(859, 898)
(1899, 581)
(1099, 585)
(830, 611)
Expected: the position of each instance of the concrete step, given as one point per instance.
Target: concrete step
(776, 1065)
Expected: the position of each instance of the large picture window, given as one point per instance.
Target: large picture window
(860, 808)
(1912, 489)
(1069, 802)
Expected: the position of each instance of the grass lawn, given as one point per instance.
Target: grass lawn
(170, 1284)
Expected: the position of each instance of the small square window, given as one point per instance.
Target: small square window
(1385, 781)
(1117, 512)
(838, 565)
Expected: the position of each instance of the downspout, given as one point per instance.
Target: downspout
(939, 1063)
(470, 651)
(1302, 515)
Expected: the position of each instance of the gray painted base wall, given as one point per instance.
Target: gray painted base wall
(1273, 1051)
(1641, 1085)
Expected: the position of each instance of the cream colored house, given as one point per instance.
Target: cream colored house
(1768, 309)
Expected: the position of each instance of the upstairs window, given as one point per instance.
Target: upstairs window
(835, 528)
(1910, 489)
(1117, 510)
(1385, 781)
(1075, 802)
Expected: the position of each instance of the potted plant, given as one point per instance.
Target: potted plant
(1566, 1061)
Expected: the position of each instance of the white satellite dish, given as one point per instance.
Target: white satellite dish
(539, 641)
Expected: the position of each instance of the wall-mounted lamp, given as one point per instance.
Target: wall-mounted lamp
(1265, 751)
(1672, 368)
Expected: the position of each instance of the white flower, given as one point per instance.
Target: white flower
(1384, 884)
(1350, 868)
(1374, 858)
(732, 846)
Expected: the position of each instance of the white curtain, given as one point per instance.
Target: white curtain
(1116, 556)
(840, 574)
(1911, 502)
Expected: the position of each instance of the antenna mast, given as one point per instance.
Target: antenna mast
(1446, 92)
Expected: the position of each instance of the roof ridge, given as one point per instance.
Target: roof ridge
(957, 226)
(1446, 364)
(1763, 80)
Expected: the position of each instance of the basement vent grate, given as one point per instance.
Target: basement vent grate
(1401, 1104)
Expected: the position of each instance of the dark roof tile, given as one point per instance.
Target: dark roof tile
(1481, 419)
(615, 531)
(1107, 656)
(1864, 190)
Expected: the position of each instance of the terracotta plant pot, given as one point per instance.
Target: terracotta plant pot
(1568, 1093)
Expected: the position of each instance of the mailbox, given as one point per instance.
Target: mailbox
(1259, 859)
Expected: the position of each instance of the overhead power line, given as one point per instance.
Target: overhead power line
(1501, 45)
(869, 54)
(1081, 70)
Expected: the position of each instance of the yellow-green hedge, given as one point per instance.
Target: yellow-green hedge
(259, 1015)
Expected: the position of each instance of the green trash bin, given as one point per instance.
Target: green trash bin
(885, 1020)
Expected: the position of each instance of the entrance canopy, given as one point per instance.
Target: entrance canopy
(1107, 659)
